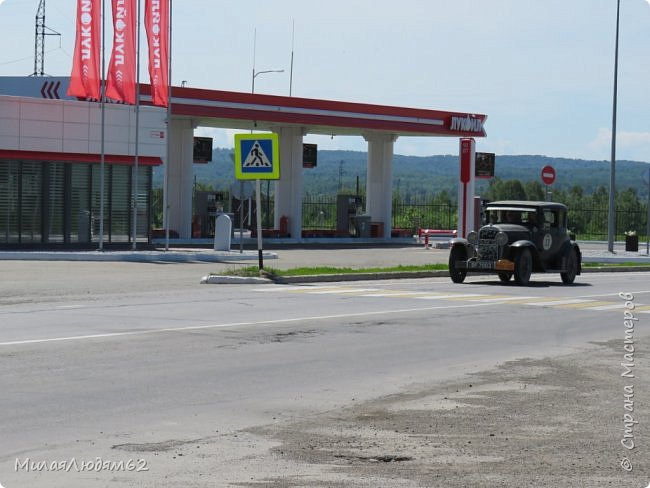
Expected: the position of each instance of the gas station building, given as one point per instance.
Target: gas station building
(50, 152)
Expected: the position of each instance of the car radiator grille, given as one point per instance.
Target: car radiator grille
(487, 245)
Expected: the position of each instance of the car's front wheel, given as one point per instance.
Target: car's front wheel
(457, 253)
(569, 275)
(523, 266)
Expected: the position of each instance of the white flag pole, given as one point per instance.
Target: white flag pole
(103, 135)
(137, 133)
(169, 125)
(293, 29)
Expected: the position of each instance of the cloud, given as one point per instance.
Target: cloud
(629, 145)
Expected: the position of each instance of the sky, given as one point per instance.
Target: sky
(541, 70)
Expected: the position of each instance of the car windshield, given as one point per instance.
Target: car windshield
(511, 216)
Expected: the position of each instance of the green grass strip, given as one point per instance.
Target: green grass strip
(328, 270)
(249, 271)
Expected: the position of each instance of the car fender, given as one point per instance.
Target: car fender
(566, 248)
(459, 241)
(515, 246)
(523, 243)
(579, 252)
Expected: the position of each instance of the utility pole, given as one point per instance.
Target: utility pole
(40, 31)
(611, 217)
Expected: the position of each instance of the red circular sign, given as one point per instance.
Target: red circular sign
(548, 175)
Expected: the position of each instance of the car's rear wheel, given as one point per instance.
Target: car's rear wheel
(457, 253)
(505, 276)
(569, 275)
(523, 266)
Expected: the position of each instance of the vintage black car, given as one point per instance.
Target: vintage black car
(518, 238)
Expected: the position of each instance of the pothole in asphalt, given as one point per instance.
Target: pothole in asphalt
(389, 458)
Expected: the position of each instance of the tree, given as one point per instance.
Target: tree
(534, 190)
(600, 197)
(630, 213)
(507, 190)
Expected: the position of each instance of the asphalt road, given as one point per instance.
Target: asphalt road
(213, 385)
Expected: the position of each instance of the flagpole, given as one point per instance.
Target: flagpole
(293, 28)
(137, 134)
(169, 124)
(102, 156)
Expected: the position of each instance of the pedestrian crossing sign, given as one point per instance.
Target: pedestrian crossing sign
(257, 157)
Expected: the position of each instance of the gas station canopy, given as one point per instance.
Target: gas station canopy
(214, 108)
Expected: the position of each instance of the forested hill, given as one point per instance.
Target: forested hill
(421, 176)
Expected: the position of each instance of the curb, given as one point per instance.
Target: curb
(420, 274)
(289, 280)
(233, 280)
(615, 269)
(360, 276)
(136, 256)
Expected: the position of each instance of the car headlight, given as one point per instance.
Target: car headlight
(502, 239)
(472, 238)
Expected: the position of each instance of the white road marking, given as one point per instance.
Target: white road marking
(614, 295)
(559, 302)
(341, 290)
(587, 305)
(396, 294)
(586, 302)
(279, 288)
(236, 324)
(608, 307)
(583, 302)
(446, 297)
(506, 299)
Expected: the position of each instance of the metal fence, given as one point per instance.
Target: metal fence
(320, 213)
(588, 223)
(591, 223)
(424, 215)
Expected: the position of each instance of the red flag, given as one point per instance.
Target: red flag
(120, 83)
(156, 22)
(85, 78)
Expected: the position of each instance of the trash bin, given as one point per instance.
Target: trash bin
(361, 225)
(632, 243)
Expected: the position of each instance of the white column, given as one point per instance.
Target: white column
(289, 188)
(466, 187)
(180, 177)
(379, 184)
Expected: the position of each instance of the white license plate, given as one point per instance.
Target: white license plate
(480, 264)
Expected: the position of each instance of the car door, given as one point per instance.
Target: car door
(552, 235)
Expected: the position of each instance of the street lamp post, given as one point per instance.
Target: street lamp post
(611, 217)
(258, 190)
(257, 73)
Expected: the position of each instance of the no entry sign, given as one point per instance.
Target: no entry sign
(548, 175)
